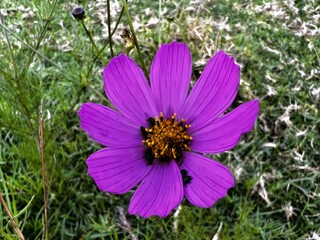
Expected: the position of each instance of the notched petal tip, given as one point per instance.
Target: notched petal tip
(175, 43)
(256, 108)
(86, 106)
(253, 109)
(120, 57)
(224, 133)
(214, 92)
(256, 102)
(80, 111)
(221, 54)
(211, 180)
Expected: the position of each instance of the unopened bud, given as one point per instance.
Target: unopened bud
(78, 13)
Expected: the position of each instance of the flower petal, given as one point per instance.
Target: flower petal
(225, 132)
(210, 180)
(117, 170)
(159, 193)
(108, 127)
(214, 92)
(170, 76)
(128, 89)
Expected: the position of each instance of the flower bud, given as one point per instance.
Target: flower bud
(78, 13)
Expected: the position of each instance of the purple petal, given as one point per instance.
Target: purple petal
(159, 193)
(108, 127)
(225, 132)
(128, 89)
(210, 180)
(170, 76)
(214, 92)
(117, 170)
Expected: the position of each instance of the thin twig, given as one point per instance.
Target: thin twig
(43, 176)
(15, 226)
(10, 83)
(125, 5)
(159, 28)
(39, 38)
(92, 42)
(9, 48)
(37, 52)
(106, 43)
(109, 27)
(113, 31)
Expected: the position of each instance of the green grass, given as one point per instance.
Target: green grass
(47, 62)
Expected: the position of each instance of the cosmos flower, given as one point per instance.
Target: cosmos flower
(157, 134)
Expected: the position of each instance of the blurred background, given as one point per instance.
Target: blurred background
(49, 67)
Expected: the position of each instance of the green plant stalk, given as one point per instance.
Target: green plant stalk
(92, 42)
(159, 28)
(114, 30)
(109, 27)
(125, 5)
(107, 42)
(40, 38)
(37, 52)
(47, 59)
(9, 48)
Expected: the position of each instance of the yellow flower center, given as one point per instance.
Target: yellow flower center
(166, 139)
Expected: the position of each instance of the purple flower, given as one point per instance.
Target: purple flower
(158, 133)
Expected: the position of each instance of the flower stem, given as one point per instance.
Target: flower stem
(114, 30)
(109, 28)
(159, 28)
(125, 5)
(93, 43)
(107, 41)
(9, 48)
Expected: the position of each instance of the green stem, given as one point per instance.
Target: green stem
(125, 5)
(109, 27)
(39, 40)
(93, 43)
(115, 28)
(9, 48)
(107, 42)
(67, 74)
(99, 94)
(159, 28)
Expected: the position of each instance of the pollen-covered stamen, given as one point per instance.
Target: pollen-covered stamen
(166, 139)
